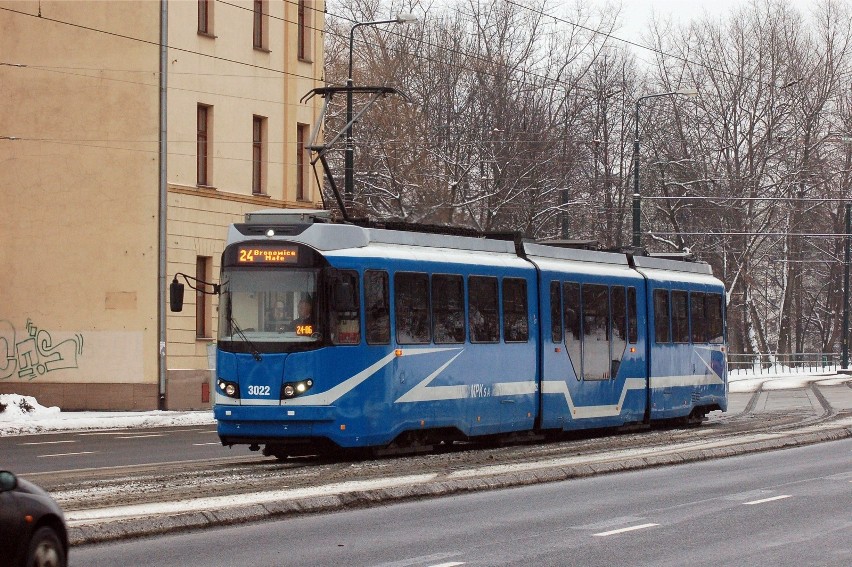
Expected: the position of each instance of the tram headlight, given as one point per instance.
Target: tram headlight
(227, 388)
(293, 389)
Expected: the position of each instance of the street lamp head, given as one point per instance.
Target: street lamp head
(406, 18)
(688, 92)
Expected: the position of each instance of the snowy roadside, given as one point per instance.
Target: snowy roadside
(23, 415)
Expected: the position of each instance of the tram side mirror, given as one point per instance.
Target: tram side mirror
(176, 296)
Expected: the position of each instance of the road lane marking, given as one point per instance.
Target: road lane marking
(48, 442)
(451, 564)
(212, 443)
(141, 436)
(763, 500)
(623, 530)
(102, 433)
(67, 454)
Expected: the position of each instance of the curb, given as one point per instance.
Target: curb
(174, 523)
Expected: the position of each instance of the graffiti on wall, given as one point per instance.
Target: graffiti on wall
(35, 354)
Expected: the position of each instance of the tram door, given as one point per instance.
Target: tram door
(592, 355)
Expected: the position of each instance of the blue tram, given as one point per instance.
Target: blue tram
(336, 336)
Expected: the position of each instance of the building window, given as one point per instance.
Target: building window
(203, 146)
(261, 25)
(205, 14)
(258, 179)
(301, 162)
(304, 35)
(203, 308)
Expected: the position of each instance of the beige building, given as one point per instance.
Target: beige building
(102, 205)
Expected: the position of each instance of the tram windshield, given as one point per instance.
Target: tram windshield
(261, 307)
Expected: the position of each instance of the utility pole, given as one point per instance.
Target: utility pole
(844, 362)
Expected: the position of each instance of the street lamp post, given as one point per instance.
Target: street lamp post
(637, 197)
(349, 154)
(844, 341)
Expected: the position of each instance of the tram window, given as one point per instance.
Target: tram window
(448, 308)
(697, 317)
(661, 316)
(573, 331)
(377, 308)
(632, 323)
(713, 311)
(680, 317)
(345, 309)
(619, 326)
(483, 309)
(555, 313)
(515, 320)
(412, 308)
(596, 359)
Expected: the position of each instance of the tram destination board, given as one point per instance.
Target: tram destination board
(267, 255)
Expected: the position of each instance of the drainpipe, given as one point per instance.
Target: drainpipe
(163, 190)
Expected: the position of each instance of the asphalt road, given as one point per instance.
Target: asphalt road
(29, 454)
(116, 448)
(780, 508)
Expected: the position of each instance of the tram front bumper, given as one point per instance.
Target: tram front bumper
(253, 413)
(262, 424)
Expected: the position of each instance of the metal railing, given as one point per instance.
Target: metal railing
(794, 363)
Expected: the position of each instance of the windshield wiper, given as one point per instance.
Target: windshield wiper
(254, 352)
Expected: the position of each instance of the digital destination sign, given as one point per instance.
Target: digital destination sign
(267, 255)
(304, 330)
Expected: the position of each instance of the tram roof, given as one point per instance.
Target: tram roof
(316, 228)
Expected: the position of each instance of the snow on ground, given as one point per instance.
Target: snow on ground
(24, 415)
(743, 383)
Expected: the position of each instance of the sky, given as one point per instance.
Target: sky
(637, 13)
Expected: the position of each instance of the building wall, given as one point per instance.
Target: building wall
(78, 294)
(78, 289)
(237, 82)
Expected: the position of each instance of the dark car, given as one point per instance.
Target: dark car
(32, 526)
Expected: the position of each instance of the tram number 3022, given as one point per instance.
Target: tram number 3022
(258, 390)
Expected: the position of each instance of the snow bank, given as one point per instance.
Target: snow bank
(20, 408)
(24, 415)
(751, 383)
